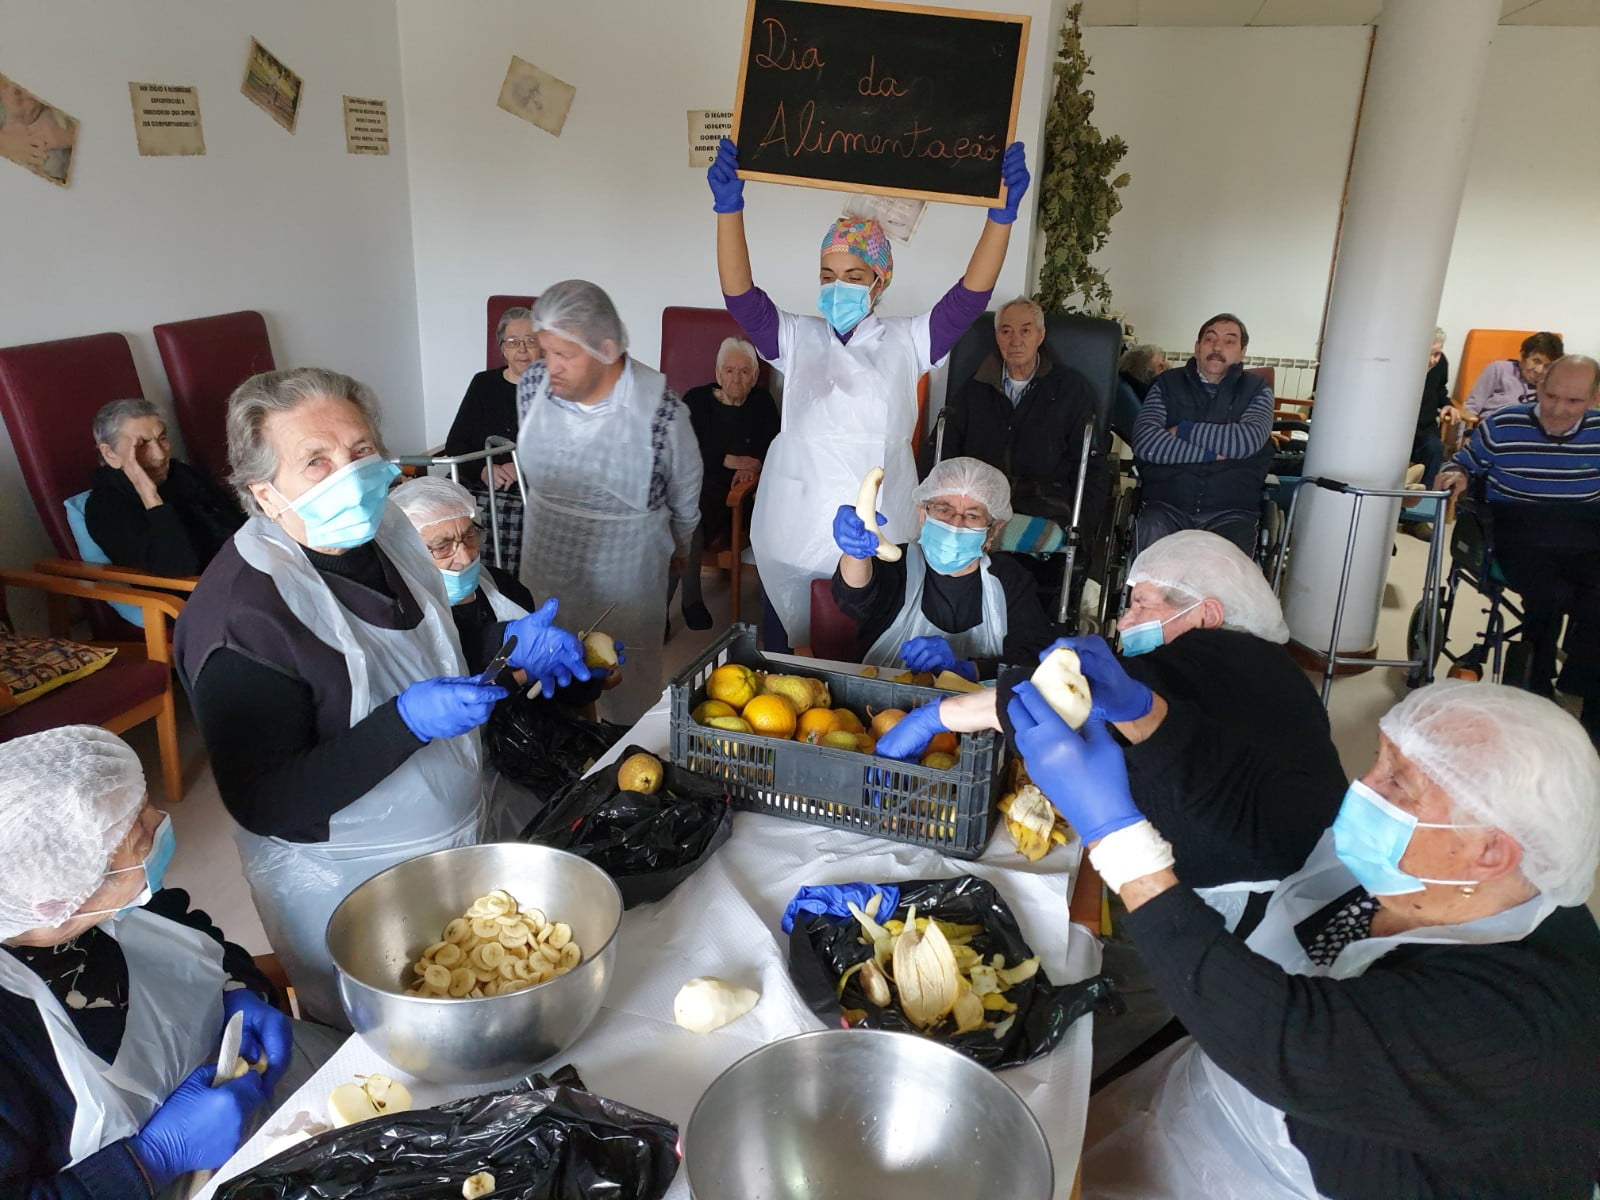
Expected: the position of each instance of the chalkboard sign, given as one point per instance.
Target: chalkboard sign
(891, 99)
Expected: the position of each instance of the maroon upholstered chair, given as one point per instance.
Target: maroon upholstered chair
(833, 635)
(49, 394)
(205, 359)
(497, 308)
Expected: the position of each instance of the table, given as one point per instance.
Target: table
(724, 921)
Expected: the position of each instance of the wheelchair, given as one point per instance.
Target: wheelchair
(1497, 654)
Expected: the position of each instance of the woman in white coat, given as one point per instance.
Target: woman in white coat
(850, 380)
(1415, 1013)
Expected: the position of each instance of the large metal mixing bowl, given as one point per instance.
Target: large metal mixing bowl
(846, 1113)
(381, 928)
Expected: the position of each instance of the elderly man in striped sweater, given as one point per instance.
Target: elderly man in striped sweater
(1540, 468)
(1203, 442)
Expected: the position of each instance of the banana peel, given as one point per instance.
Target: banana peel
(1033, 823)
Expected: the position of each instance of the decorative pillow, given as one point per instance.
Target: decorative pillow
(32, 666)
(1023, 534)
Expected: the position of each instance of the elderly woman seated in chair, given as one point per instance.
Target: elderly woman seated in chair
(970, 612)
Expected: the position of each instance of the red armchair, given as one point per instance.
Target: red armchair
(205, 359)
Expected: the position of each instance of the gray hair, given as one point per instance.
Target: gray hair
(1438, 335)
(1031, 304)
(108, 421)
(251, 458)
(737, 345)
(514, 313)
(1139, 361)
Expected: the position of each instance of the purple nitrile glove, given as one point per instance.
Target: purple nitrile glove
(1115, 695)
(912, 733)
(198, 1127)
(447, 706)
(1083, 773)
(727, 189)
(545, 651)
(851, 536)
(834, 899)
(1014, 173)
(267, 1033)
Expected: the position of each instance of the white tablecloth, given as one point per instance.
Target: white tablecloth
(724, 921)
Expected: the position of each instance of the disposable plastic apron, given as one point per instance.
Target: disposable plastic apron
(174, 1024)
(1193, 1130)
(590, 537)
(986, 639)
(432, 801)
(1231, 899)
(504, 817)
(504, 608)
(846, 409)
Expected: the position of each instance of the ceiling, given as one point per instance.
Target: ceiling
(1311, 12)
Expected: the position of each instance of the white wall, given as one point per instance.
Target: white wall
(500, 206)
(318, 240)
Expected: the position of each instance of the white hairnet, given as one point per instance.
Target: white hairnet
(1516, 761)
(582, 312)
(68, 797)
(969, 477)
(1205, 565)
(429, 499)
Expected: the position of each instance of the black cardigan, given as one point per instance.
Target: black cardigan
(179, 536)
(1442, 1071)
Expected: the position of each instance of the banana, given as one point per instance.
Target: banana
(1030, 820)
(1060, 681)
(705, 1003)
(867, 510)
(495, 947)
(477, 1185)
(925, 972)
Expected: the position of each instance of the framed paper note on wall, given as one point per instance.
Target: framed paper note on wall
(366, 125)
(536, 96)
(271, 86)
(36, 135)
(166, 119)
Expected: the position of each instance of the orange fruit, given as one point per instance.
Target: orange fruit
(814, 724)
(846, 720)
(943, 742)
(706, 709)
(866, 743)
(733, 685)
(771, 715)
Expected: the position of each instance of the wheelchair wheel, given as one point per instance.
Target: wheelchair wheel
(1416, 646)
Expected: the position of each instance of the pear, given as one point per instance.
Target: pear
(599, 650)
(737, 724)
(640, 773)
(794, 688)
(840, 740)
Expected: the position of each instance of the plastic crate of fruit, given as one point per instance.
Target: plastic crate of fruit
(946, 802)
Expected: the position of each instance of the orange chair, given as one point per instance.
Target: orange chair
(1482, 347)
(205, 359)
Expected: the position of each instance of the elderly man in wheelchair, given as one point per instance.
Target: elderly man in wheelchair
(1538, 468)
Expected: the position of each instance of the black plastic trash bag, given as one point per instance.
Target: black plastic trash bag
(648, 844)
(545, 1139)
(822, 948)
(541, 745)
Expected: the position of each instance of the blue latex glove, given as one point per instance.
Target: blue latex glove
(267, 1033)
(727, 189)
(447, 706)
(834, 899)
(198, 1127)
(1014, 172)
(911, 735)
(1083, 773)
(935, 654)
(851, 536)
(545, 651)
(1117, 696)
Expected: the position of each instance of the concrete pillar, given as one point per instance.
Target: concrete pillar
(1404, 195)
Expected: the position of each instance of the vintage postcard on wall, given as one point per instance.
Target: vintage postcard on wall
(899, 215)
(706, 130)
(536, 96)
(166, 119)
(366, 125)
(271, 86)
(36, 135)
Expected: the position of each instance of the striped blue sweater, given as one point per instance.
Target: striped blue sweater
(1520, 461)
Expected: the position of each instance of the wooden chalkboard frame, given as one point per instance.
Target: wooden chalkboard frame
(1020, 19)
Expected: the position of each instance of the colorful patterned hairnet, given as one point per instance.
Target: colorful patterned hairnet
(865, 238)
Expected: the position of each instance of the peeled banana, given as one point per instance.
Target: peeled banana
(1060, 681)
(867, 510)
(373, 1096)
(494, 949)
(243, 1065)
(706, 1003)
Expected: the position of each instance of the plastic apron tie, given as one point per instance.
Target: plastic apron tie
(986, 639)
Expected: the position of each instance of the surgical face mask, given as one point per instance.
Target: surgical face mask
(1370, 836)
(162, 844)
(1147, 635)
(344, 509)
(459, 585)
(949, 549)
(844, 304)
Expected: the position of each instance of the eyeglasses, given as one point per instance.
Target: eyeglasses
(527, 343)
(973, 519)
(444, 549)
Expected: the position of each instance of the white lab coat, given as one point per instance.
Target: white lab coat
(847, 407)
(986, 639)
(612, 496)
(1180, 1126)
(433, 801)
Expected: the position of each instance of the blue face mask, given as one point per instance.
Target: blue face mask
(344, 509)
(460, 585)
(162, 844)
(948, 549)
(1147, 635)
(844, 305)
(1370, 836)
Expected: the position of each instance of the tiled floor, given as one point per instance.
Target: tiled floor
(207, 864)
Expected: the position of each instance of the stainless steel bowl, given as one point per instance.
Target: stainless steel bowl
(379, 930)
(847, 1113)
